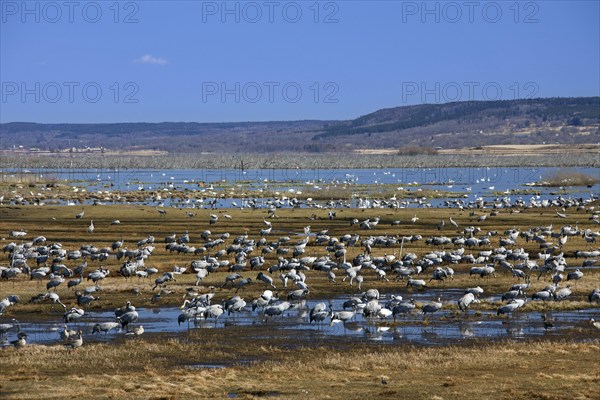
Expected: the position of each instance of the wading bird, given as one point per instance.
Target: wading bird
(73, 315)
(13, 326)
(466, 301)
(76, 342)
(105, 327)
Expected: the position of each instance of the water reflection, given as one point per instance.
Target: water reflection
(437, 329)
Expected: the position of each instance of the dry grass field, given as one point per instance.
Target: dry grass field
(156, 369)
(505, 150)
(58, 224)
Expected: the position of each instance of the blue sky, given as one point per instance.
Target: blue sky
(255, 61)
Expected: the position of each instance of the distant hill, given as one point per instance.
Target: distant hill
(476, 123)
(419, 127)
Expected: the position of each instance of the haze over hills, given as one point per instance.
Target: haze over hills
(418, 128)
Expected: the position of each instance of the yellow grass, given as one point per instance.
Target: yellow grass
(145, 369)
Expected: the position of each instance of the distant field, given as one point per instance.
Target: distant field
(373, 158)
(527, 149)
(505, 150)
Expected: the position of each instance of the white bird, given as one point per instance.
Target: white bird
(563, 293)
(542, 295)
(127, 318)
(299, 294)
(90, 228)
(359, 281)
(594, 295)
(235, 305)
(17, 234)
(384, 313)
(138, 330)
(200, 275)
(77, 342)
(466, 301)
(476, 291)
(276, 310)
(371, 308)
(5, 328)
(73, 314)
(416, 283)
(563, 240)
(343, 316)
(264, 300)
(575, 275)
(54, 298)
(66, 333)
(214, 311)
(508, 308)
(124, 309)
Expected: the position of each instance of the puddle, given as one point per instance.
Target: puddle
(205, 366)
(257, 393)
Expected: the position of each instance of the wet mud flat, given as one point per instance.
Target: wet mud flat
(444, 327)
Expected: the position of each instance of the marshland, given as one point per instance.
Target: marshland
(300, 283)
(300, 200)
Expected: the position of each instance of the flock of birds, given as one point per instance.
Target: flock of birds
(193, 195)
(290, 273)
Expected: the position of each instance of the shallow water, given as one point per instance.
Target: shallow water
(123, 179)
(440, 328)
(472, 182)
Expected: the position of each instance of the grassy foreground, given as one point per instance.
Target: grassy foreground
(151, 369)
